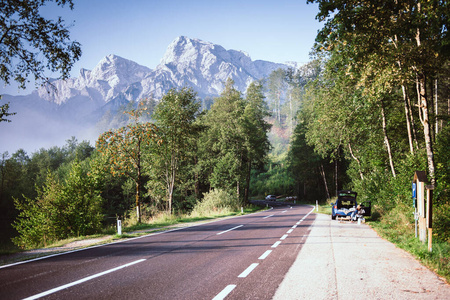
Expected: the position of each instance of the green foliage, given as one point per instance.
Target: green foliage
(235, 140)
(61, 210)
(4, 114)
(376, 58)
(275, 180)
(441, 210)
(216, 202)
(29, 43)
(124, 149)
(174, 160)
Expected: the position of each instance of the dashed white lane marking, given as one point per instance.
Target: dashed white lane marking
(228, 289)
(276, 244)
(265, 254)
(230, 229)
(248, 270)
(82, 280)
(284, 211)
(244, 274)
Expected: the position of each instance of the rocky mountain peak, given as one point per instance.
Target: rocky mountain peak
(84, 100)
(115, 68)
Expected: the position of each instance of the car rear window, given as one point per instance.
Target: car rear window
(346, 203)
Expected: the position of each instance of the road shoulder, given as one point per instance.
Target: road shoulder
(342, 260)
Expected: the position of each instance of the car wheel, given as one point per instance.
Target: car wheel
(333, 217)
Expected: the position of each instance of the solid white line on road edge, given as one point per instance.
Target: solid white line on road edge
(248, 270)
(307, 214)
(284, 237)
(290, 231)
(82, 280)
(268, 216)
(225, 292)
(298, 223)
(230, 229)
(265, 254)
(276, 244)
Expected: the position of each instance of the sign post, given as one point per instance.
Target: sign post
(420, 177)
(414, 196)
(430, 189)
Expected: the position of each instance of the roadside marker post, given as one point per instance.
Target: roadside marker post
(119, 227)
(430, 189)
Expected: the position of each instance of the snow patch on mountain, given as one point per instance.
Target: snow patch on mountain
(79, 103)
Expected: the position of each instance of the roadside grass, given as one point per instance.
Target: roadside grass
(325, 209)
(7, 247)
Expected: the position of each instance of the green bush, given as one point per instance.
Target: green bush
(216, 202)
(60, 210)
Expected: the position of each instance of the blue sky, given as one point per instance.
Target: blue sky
(141, 30)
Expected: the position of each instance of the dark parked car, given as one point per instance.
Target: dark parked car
(271, 197)
(346, 204)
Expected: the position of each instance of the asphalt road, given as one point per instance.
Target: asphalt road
(237, 258)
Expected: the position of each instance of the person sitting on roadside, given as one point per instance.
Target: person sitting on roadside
(357, 213)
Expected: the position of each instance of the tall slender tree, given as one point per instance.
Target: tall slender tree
(411, 35)
(175, 117)
(255, 132)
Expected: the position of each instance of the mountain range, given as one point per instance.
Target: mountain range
(52, 114)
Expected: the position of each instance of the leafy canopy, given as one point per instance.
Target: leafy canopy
(30, 43)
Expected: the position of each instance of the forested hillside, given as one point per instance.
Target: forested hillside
(368, 111)
(164, 159)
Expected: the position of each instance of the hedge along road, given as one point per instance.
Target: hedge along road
(235, 258)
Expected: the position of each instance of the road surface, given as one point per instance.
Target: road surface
(237, 258)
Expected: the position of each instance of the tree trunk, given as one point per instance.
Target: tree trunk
(172, 182)
(408, 119)
(336, 172)
(357, 160)
(138, 193)
(413, 124)
(408, 112)
(424, 118)
(386, 138)
(138, 183)
(197, 180)
(322, 172)
(247, 182)
(436, 109)
(138, 204)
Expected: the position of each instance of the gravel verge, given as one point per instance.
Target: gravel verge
(342, 260)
